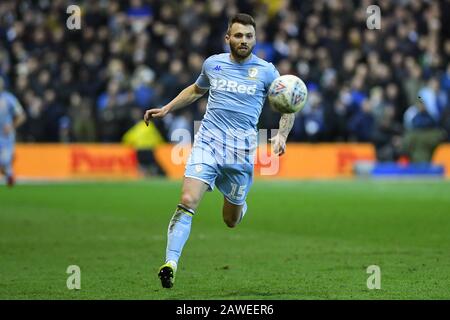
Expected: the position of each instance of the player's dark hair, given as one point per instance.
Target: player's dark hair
(241, 18)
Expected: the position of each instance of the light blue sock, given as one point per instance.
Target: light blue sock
(6, 161)
(178, 232)
(244, 210)
(9, 169)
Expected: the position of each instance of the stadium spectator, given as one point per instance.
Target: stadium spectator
(139, 15)
(83, 119)
(309, 125)
(361, 124)
(387, 135)
(424, 135)
(433, 99)
(144, 139)
(141, 83)
(113, 111)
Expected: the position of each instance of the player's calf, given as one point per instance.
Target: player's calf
(230, 222)
(10, 181)
(232, 213)
(180, 228)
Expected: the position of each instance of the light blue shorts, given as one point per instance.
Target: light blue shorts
(232, 177)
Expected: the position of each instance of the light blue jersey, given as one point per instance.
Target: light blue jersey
(9, 109)
(237, 92)
(224, 146)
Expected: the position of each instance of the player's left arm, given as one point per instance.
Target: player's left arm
(285, 126)
(19, 119)
(286, 120)
(19, 114)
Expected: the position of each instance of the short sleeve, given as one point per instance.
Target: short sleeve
(272, 74)
(203, 80)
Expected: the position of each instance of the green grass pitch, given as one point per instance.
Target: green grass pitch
(299, 240)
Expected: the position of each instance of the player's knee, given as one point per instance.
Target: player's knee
(189, 200)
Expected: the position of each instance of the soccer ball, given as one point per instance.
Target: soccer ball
(287, 94)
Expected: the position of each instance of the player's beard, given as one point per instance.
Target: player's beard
(240, 53)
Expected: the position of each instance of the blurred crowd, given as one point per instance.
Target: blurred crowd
(94, 84)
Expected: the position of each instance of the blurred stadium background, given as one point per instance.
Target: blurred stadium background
(85, 91)
(93, 84)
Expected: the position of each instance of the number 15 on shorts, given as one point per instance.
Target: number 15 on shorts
(237, 192)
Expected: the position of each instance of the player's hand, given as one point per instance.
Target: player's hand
(155, 113)
(278, 145)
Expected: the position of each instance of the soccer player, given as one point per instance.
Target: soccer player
(11, 117)
(238, 83)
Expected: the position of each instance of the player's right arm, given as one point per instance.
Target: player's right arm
(19, 119)
(184, 98)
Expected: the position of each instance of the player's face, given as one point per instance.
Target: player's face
(241, 39)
